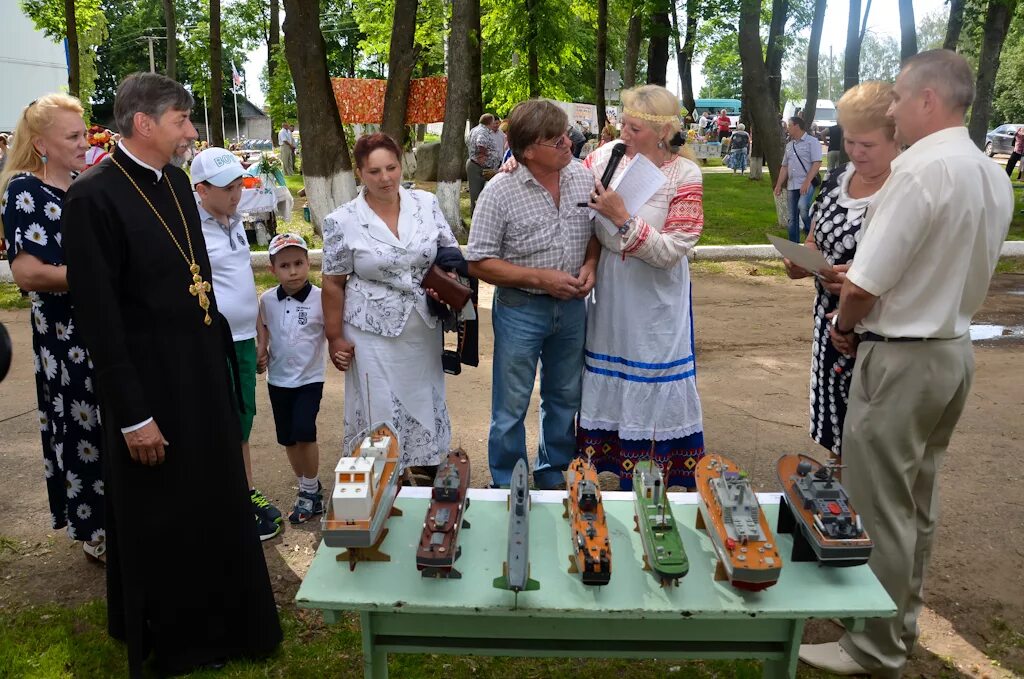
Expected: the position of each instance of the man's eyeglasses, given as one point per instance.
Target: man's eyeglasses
(559, 145)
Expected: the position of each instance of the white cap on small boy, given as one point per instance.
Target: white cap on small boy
(286, 240)
(216, 166)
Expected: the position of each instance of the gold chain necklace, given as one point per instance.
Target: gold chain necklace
(199, 287)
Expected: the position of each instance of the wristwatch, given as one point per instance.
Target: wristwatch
(626, 226)
(835, 326)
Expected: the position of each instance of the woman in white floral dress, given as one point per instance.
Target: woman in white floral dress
(51, 146)
(380, 329)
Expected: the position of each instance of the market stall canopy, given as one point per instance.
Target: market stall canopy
(362, 101)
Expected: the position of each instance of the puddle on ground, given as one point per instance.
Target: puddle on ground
(986, 331)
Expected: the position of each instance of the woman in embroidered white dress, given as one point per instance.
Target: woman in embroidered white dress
(639, 380)
(380, 330)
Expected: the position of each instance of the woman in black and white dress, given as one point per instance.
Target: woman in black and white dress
(836, 219)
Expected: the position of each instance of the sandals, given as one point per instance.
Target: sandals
(97, 552)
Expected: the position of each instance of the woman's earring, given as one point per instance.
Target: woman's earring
(43, 158)
(661, 143)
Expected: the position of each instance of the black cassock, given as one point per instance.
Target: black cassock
(186, 576)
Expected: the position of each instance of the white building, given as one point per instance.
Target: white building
(31, 64)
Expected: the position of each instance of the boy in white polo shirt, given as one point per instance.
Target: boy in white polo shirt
(291, 345)
(217, 178)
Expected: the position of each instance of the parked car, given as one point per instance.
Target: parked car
(1000, 140)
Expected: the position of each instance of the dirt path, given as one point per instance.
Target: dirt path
(752, 349)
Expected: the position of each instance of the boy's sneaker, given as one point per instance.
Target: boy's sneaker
(307, 505)
(264, 508)
(267, 529)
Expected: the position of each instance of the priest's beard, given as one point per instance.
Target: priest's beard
(178, 160)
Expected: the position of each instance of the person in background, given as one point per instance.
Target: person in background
(800, 166)
(739, 149)
(836, 221)
(291, 351)
(609, 133)
(723, 122)
(834, 137)
(639, 379)
(705, 124)
(924, 263)
(484, 156)
(1018, 151)
(51, 147)
(4, 150)
(217, 179)
(577, 138)
(286, 141)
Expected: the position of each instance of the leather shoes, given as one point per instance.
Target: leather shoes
(831, 657)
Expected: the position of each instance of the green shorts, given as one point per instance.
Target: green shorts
(245, 352)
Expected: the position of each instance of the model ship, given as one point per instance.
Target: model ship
(728, 509)
(591, 555)
(663, 548)
(515, 574)
(830, 531)
(439, 541)
(366, 483)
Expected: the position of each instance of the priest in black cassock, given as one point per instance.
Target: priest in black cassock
(186, 578)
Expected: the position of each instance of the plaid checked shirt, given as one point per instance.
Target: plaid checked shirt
(516, 220)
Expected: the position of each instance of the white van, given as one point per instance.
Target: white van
(824, 113)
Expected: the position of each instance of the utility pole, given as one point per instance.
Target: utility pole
(152, 62)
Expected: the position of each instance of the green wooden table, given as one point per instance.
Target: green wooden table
(401, 612)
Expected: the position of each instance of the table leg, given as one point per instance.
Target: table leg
(375, 663)
(786, 666)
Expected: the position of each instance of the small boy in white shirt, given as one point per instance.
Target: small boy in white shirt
(290, 345)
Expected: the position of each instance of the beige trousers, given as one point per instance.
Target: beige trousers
(905, 401)
(287, 159)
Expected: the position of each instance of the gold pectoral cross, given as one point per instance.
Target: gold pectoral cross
(199, 288)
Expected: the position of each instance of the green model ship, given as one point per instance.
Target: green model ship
(664, 554)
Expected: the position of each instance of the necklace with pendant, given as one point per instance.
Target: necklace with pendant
(199, 287)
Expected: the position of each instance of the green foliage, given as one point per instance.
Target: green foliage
(11, 297)
(375, 21)
(280, 93)
(1008, 104)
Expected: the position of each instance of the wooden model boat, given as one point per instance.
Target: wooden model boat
(664, 554)
(439, 541)
(728, 509)
(591, 555)
(366, 483)
(515, 573)
(817, 511)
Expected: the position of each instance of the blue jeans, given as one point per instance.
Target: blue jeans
(527, 328)
(799, 213)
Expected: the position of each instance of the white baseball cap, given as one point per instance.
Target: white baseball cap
(286, 240)
(217, 166)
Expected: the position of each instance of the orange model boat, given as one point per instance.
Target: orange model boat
(591, 551)
(728, 509)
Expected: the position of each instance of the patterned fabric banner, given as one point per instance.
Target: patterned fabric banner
(362, 101)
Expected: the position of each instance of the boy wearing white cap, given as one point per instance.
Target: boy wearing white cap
(291, 348)
(217, 178)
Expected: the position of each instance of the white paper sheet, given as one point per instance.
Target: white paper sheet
(636, 185)
(808, 259)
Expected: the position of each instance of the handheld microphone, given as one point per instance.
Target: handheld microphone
(618, 151)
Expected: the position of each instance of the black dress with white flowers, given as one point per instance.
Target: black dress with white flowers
(68, 417)
(837, 221)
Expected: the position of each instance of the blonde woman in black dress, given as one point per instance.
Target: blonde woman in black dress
(836, 219)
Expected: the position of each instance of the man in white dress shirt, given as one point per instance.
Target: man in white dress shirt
(930, 245)
(287, 142)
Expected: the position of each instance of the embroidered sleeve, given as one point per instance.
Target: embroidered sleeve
(338, 259)
(683, 226)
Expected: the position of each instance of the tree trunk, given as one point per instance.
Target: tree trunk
(997, 23)
(908, 30)
(476, 47)
(172, 40)
(851, 67)
(954, 25)
(216, 78)
(401, 61)
(813, 88)
(533, 65)
(684, 54)
(602, 60)
(273, 37)
(634, 37)
(452, 160)
(756, 87)
(773, 54)
(326, 164)
(657, 49)
(74, 71)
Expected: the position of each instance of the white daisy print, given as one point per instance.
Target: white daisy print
(40, 320)
(58, 405)
(3, 202)
(97, 487)
(73, 484)
(87, 452)
(25, 202)
(47, 363)
(58, 452)
(84, 414)
(57, 237)
(69, 330)
(44, 421)
(76, 354)
(35, 362)
(84, 511)
(98, 535)
(88, 384)
(71, 532)
(35, 233)
(52, 211)
(61, 330)
(65, 378)
(48, 468)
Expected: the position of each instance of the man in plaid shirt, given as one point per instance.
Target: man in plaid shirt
(530, 239)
